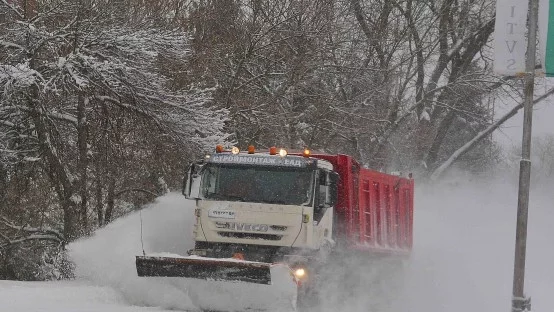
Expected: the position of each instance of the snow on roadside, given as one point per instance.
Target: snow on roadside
(464, 234)
(464, 247)
(108, 257)
(463, 257)
(63, 296)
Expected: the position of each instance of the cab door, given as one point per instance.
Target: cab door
(325, 200)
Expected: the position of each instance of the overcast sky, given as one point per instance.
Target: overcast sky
(543, 121)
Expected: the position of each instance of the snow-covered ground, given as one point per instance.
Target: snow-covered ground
(74, 296)
(462, 259)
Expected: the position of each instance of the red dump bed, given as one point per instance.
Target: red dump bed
(374, 210)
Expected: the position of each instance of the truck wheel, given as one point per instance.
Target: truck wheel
(308, 297)
(309, 291)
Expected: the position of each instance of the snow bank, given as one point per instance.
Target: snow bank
(62, 296)
(108, 259)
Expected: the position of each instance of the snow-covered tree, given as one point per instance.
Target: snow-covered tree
(90, 90)
(386, 81)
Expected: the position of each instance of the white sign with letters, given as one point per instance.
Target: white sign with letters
(225, 214)
(510, 42)
(290, 161)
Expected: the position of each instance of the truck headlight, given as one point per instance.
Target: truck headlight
(299, 273)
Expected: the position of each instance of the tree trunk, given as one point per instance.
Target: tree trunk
(3, 186)
(102, 165)
(442, 130)
(58, 173)
(83, 160)
(8, 273)
(111, 199)
(70, 219)
(99, 201)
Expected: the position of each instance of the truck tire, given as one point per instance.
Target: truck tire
(308, 296)
(309, 291)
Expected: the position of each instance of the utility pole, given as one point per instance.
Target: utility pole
(519, 301)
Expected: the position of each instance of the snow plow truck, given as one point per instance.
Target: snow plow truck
(257, 209)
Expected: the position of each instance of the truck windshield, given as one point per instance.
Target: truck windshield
(287, 186)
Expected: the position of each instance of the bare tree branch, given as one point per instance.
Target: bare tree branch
(467, 147)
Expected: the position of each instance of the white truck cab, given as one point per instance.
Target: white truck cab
(261, 205)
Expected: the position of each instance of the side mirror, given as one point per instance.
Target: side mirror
(190, 181)
(333, 188)
(328, 189)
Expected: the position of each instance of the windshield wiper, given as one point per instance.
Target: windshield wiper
(234, 198)
(276, 201)
(226, 197)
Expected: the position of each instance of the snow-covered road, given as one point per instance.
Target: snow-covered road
(463, 258)
(73, 296)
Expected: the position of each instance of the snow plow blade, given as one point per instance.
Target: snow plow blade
(204, 268)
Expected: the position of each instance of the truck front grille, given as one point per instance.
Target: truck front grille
(243, 235)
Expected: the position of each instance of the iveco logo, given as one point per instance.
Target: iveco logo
(237, 226)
